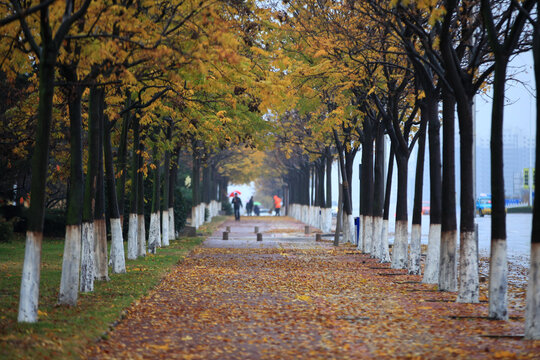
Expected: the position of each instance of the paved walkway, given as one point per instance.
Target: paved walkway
(289, 297)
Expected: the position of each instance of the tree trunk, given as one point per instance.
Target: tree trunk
(498, 269)
(431, 270)
(399, 250)
(448, 263)
(468, 251)
(329, 161)
(416, 231)
(117, 260)
(154, 236)
(165, 202)
(100, 227)
(172, 185)
(133, 226)
(339, 216)
(71, 261)
(29, 297)
(532, 312)
(195, 179)
(366, 205)
(88, 265)
(378, 193)
(122, 161)
(141, 229)
(385, 253)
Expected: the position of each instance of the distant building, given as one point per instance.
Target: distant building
(517, 156)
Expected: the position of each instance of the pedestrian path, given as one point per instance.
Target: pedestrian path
(276, 232)
(290, 297)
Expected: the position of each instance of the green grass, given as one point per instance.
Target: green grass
(64, 332)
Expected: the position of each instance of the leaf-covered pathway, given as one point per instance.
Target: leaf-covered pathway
(300, 299)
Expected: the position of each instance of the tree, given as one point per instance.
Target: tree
(506, 19)
(46, 53)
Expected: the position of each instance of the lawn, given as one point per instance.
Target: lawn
(63, 332)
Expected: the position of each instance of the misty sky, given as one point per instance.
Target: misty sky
(520, 110)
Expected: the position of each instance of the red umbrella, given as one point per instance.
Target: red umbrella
(235, 192)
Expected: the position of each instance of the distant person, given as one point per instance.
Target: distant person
(249, 206)
(256, 210)
(237, 204)
(277, 204)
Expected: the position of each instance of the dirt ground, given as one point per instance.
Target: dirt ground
(289, 297)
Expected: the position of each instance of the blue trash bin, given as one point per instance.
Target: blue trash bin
(357, 228)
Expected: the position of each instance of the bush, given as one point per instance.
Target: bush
(6, 230)
(226, 207)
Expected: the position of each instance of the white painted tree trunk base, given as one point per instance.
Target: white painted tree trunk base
(368, 234)
(377, 234)
(468, 269)
(154, 233)
(132, 237)
(141, 236)
(448, 261)
(431, 270)
(71, 262)
(399, 250)
(498, 280)
(348, 228)
(100, 250)
(532, 310)
(28, 303)
(87, 258)
(172, 231)
(117, 260)
(165, 228)
(415, 249)
(385, 249)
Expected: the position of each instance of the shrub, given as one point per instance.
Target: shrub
(226, 207)
(6, 230)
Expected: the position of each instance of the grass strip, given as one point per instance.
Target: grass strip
(64, 332)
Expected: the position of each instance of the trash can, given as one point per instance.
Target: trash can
(357, 228)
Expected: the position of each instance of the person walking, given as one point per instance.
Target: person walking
(277, 204)
(249, 206)
(237, 204)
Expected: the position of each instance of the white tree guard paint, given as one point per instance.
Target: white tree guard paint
(87, 258)
(327, 220)
(348, 228)
(305, 214)
(154, 233)
(71, 261)
(532, 310)
(468, 291)
(132, 237)
(498, 281)
(448, 263)
(28, 303)
(385, 249)
(194, 217)
(117, 260)
(431, 270)
(141, 236)
(100, 250)
(172, 232)
(415, 249)
(368, 234)
(165, 228)
(399, 250)
(202, 214)
(376, 249)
